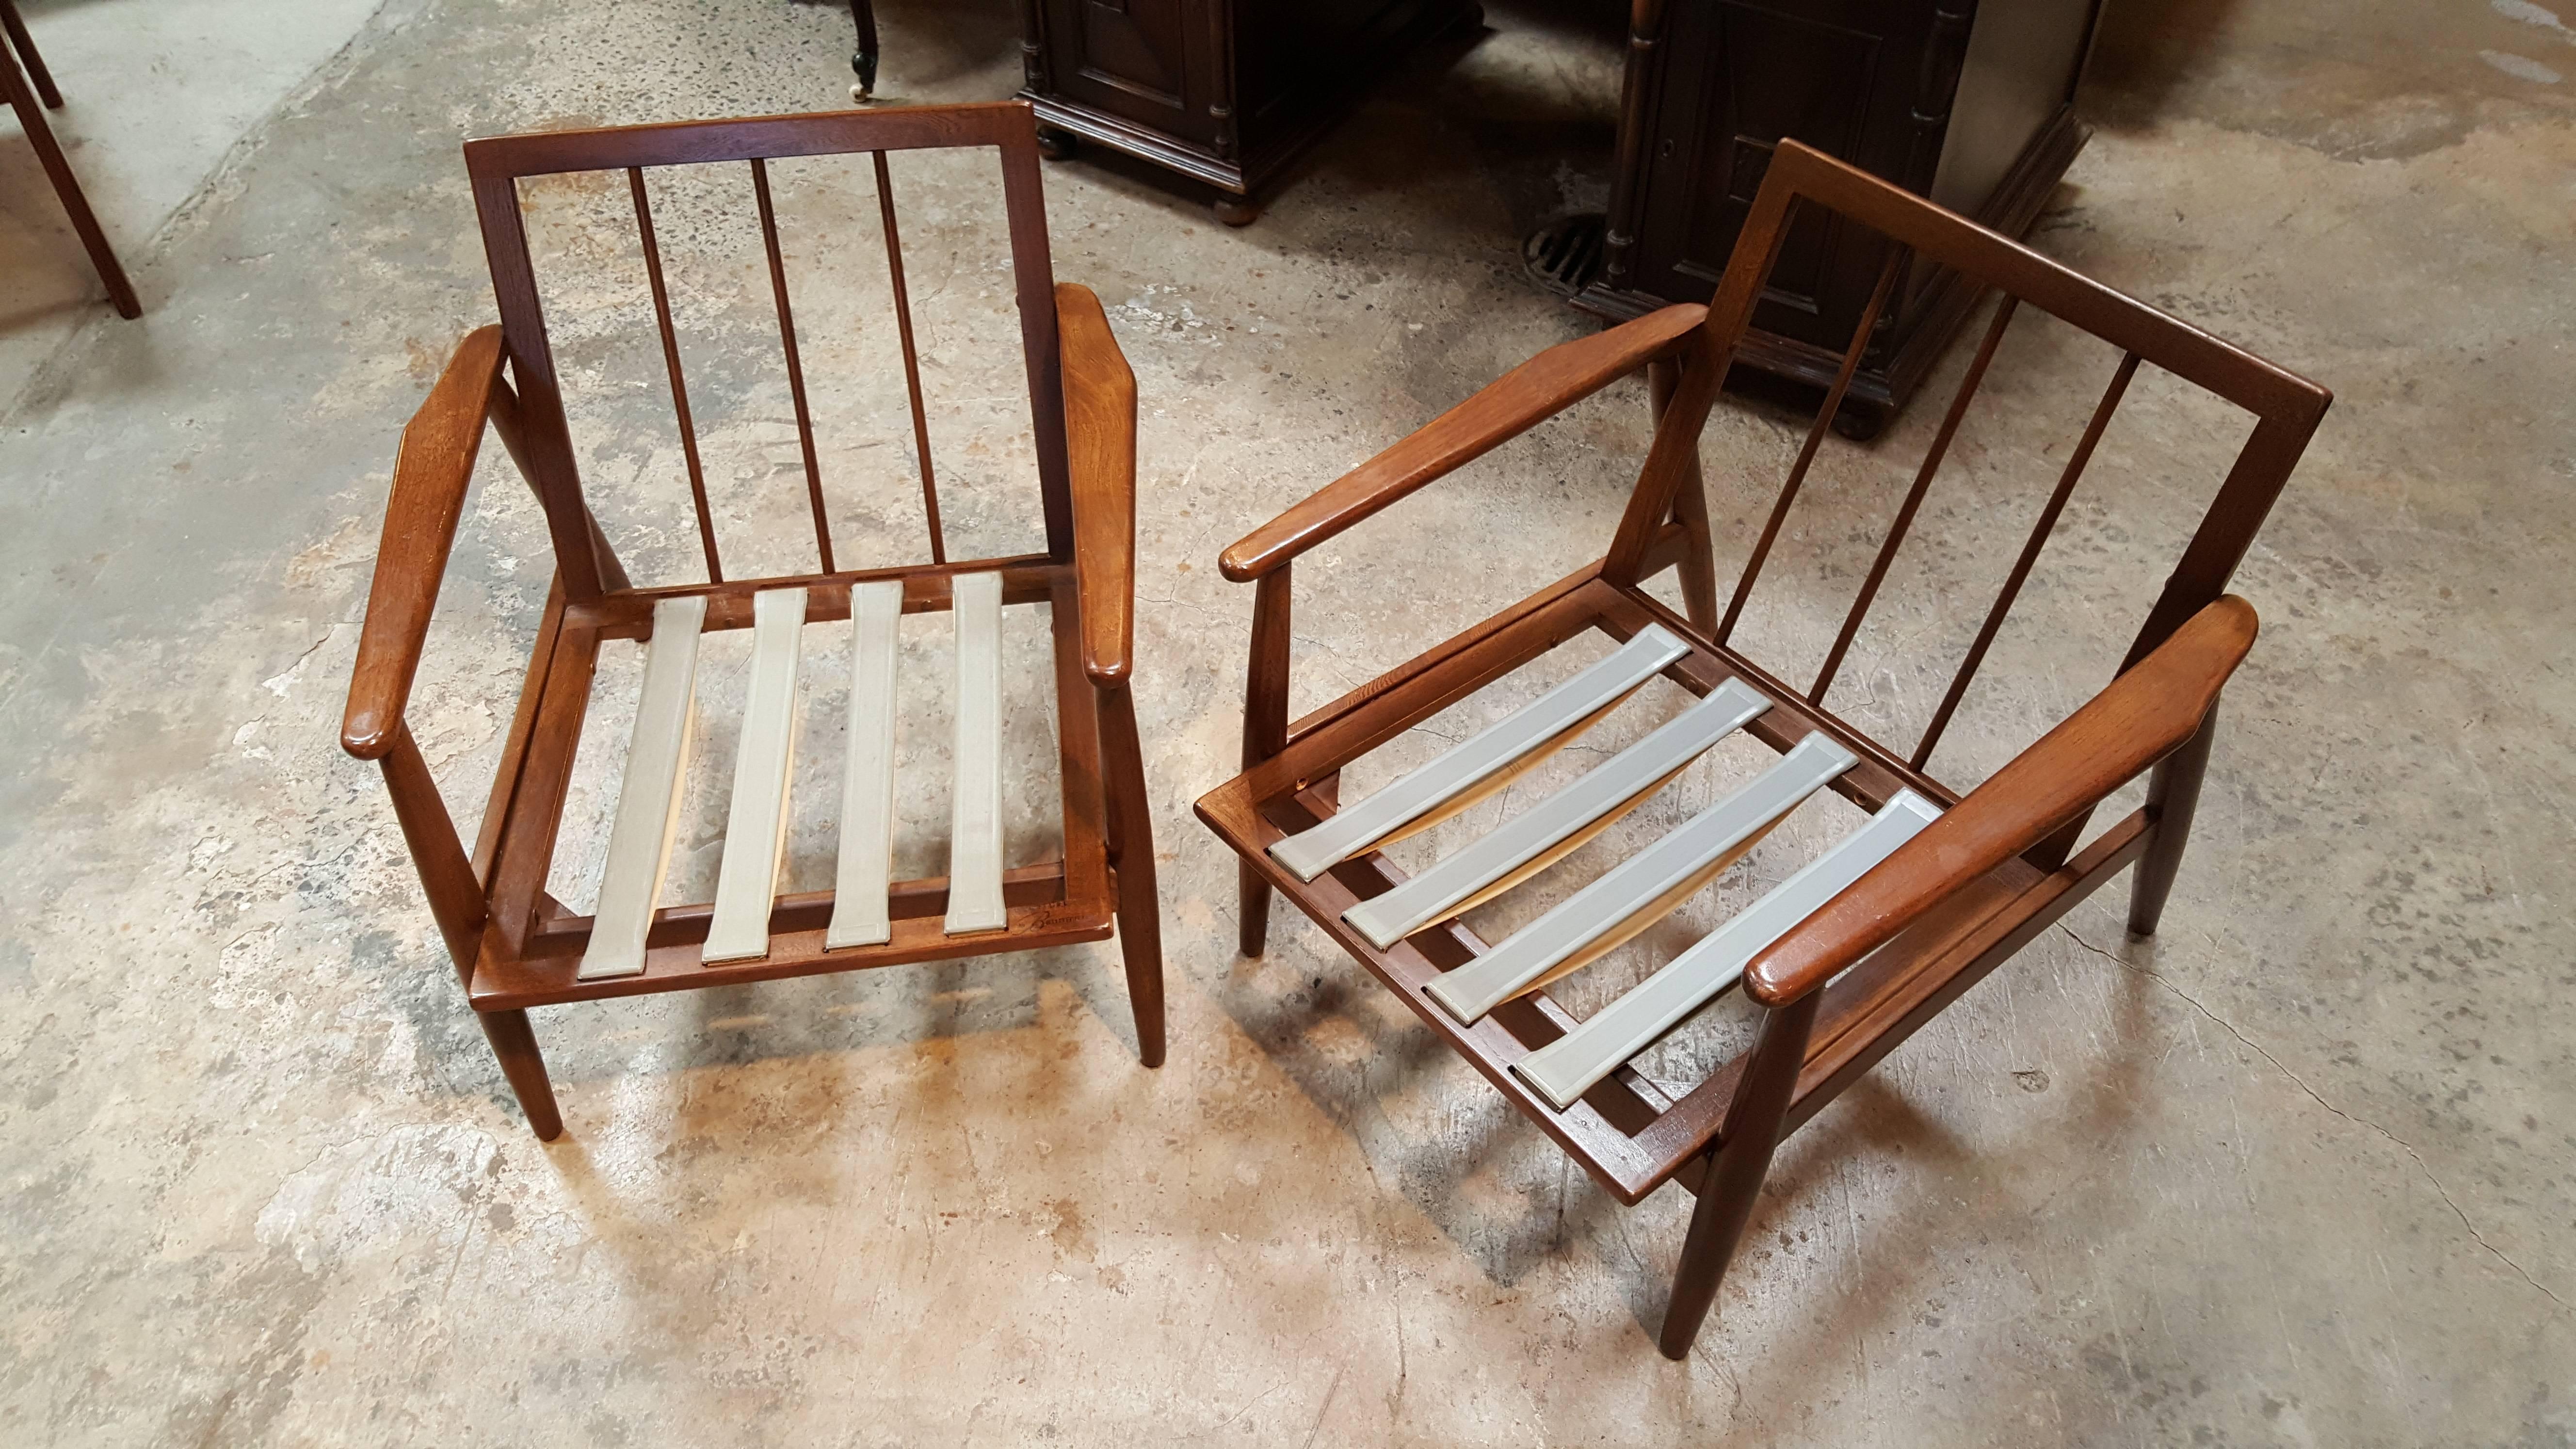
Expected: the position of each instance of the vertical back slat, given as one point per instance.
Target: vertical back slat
(1896, 531)
(911, 358)
(2039, 532)
(671, 363)
(795, 366)
(1815, 439)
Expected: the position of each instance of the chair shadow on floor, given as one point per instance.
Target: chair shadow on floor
(1510, 1202)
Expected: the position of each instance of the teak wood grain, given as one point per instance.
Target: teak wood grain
(512, 944)
(1860, 974)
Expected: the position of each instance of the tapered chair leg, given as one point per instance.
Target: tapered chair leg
(68, 187)
(1140, 942)
(514, 1041)
(59, 171)
(1265, 727)
(1131, 846)
(1733, 1178)
(1254, 911)
(26, 44)
(2173, 795)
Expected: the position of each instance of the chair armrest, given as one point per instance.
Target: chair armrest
(1100, 439)
(2145, 715)
(431, 472)
(1503, 409)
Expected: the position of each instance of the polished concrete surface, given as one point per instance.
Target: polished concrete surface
(2296, 1172)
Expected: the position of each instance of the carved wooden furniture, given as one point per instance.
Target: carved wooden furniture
(1223, 91)
(1864, 944)
(1968, 102)
(512, 944)
(17, 47)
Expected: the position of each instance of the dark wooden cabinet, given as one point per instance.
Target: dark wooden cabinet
(1225, 91)
(1969, 102)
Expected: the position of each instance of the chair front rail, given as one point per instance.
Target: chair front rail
(506, 981)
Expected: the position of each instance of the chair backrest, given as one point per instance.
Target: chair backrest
(497, 165)
(1916, 236)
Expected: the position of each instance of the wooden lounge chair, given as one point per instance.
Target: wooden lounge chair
(513, 944)
(1860, 946)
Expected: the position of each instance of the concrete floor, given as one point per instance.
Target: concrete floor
(2296, 1172)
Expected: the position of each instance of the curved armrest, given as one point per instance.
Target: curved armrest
(1100, 439)
(430, 476)
(2145, 715)
(1503, 409)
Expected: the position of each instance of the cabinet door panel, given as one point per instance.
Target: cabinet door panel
(1740, 77)
(1131, 58)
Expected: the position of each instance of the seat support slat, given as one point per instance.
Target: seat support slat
(648, 800)
(756, 824)
(975, 822)
(1538, 836)
(1643, 889)
(1565, 1069)
(1539, 725)
(866, 869)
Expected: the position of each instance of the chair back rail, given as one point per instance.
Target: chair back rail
(2285, 406)
(497, 165)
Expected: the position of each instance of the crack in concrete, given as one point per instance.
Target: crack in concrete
(2301, 1083)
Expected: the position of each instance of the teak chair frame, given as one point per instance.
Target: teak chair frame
(1860, 975)
(515, 947)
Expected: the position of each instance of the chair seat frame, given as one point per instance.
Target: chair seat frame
(1882, 958)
